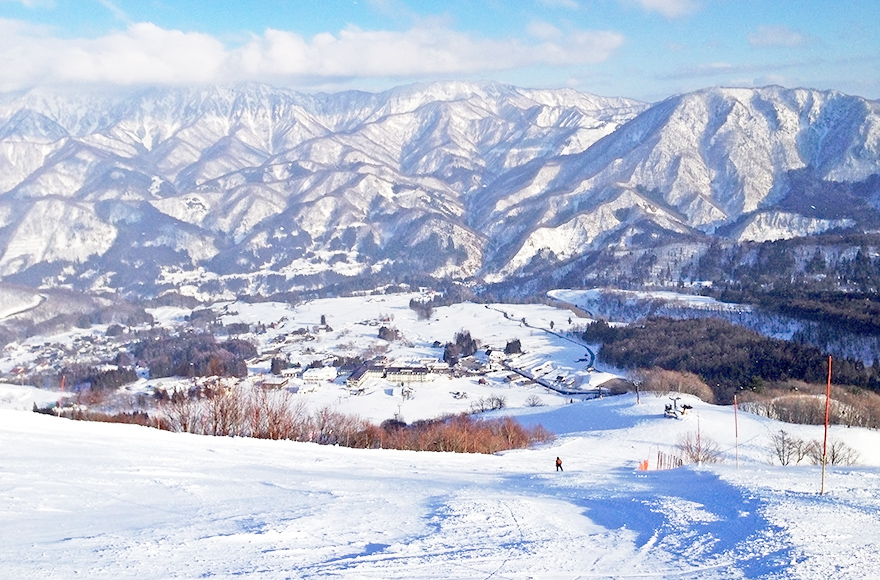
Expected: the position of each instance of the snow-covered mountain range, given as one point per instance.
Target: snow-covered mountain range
(251, 188)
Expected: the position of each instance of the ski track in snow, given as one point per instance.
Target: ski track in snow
(110, 501)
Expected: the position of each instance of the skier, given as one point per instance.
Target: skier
(558, 464)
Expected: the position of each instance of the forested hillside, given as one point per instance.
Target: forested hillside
(727, 357)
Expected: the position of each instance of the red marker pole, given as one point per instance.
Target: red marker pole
(827, 412)
(61, 395)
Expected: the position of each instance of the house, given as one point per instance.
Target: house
(319, 375)
(408, 375)
(434, 365)
(392, 374)
(362, 374)
(275, 383)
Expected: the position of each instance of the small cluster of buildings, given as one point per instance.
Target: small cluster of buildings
(405, 375)
(426, 370)
(310, 376)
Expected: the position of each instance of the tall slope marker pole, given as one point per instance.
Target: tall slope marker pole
(736, 430)
(827, 409)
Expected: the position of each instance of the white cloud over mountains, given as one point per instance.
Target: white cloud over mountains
(144, 53)
(776, 37)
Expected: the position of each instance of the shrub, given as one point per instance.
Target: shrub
(837, 453)
(798, 402)
(697, 448)
(218, 407)
(462, 434)
(664, 381)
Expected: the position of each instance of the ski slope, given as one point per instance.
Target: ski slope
(102, 501)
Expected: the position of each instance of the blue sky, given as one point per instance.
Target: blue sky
(645, 49)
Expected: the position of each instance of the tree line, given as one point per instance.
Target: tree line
(80, 376)
(726, 357)
(193, 355)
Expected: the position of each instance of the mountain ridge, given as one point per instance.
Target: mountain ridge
(477, 181)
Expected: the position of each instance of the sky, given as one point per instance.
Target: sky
(644, 49)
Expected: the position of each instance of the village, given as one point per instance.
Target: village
(376, 347)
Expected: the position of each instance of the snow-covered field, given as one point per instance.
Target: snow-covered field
(98, 501)
(16, 300)
(695, 301)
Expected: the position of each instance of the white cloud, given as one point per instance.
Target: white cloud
(776, 36)
(144, 53)
(147, 54)
(668, 8)
(357, 53)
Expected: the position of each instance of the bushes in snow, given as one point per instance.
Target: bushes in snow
(490, 403)
(789, 450)
(796, 402)
(664, 381)
(243, 412)
(463, 434)
(696, 448)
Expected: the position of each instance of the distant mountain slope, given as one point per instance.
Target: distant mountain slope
(697, 161)
(252, 188)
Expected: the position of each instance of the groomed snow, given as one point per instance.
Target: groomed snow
(99, 501)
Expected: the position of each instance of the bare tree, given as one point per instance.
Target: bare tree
(534, 401)
(697, 448)
(224, 409)
(838, 453)
(490, 403)
(789, 449)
